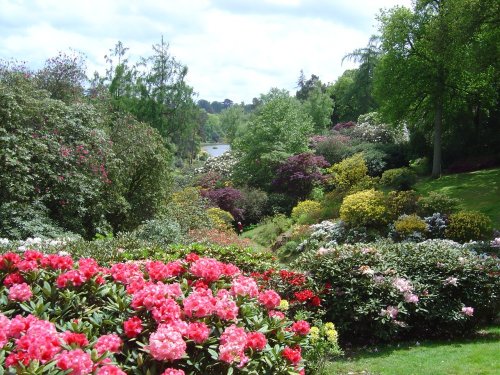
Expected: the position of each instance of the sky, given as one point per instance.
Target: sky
(235, 49)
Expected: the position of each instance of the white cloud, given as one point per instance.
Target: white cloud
(233, 49)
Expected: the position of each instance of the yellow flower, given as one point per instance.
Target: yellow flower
(314, 333)
(329, 326)
(284, 304)
(332, 335)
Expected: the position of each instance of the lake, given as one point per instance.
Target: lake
(216, 150)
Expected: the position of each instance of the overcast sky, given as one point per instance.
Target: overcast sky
(234, 49)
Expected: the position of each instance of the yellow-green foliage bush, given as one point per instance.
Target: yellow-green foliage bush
(365, 208)
(398, 178)
(401, 203)
(468, 225)
(349, 172)
(306, 212)
(408, 224)
(220, 219)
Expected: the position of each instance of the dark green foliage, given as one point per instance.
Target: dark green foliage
(398, 178)
(437, 202)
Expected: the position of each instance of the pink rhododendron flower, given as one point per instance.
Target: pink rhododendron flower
(198, 332)
(40, 342)
(4, 330)
(301, 327)
(123, 272)
(225, 307)
(27, 265)
(108, 343)
(276, 314)
(403, 285)
(166, 310)
(256, 341)
(76, 360)
(20, 292)
(166, 344)
(232, 345)
(469, 311)
(173, 371)
(153, 295)
(192, 257)
(110, 370)
(244, 286)
(411, 298)
(132, 327)
(270, 299)
(390, 312)
(207, 268)
(199, 303)
(57, 262)
(88, 267)
(74, 278)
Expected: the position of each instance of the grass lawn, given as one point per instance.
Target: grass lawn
(479, 190)
(479, 355)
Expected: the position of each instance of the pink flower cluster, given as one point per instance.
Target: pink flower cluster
(38, 340)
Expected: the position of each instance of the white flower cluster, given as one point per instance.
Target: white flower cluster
(36, 243)
(327, 233)
(222, 165)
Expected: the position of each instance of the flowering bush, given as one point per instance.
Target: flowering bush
(385, 290)
(226, 199)
(190, 316)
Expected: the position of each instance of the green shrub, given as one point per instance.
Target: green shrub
(401, 202)
(421, 166)
(254, 204)
(468, 225)
(398, 178)
(408, 225)
(330, 204)
(188, 208)
(365, 208)
(425, 286)
(306, 212)
(162, 231)
(349, 172)
(437, 202)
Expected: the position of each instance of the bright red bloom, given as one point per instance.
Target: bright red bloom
(192, 257)
(304, 295)
(301, 327)
(72, 338)
(73, 277)
(13, 278)
(292, 355)
(256, 340)
(198, 332)
(132, 327)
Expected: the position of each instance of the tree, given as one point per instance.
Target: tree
(298, 174)
(427, 72)
(233, 121)
(319, 105)
(280, 129)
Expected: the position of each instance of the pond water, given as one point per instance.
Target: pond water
(216, 150)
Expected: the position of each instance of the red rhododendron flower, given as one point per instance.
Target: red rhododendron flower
(173, 371)
(72, 338)
(76, 360)
(198, 332)
(270, 299)
(256, 340)
(13, 278)
(110, 370)
(301, 327)
(132, 327)
(292, 355)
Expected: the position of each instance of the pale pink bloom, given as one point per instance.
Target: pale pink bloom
(469, 311)
(270, 299)
(207, 268)
(232, 345)
(411, 298)
(166, 344)
(390, 312)
(451, 281)
(244, 286)
(173, 371)
(108, 343)
(402, 285)
(76, 360)
(20, 292)
(199, 303)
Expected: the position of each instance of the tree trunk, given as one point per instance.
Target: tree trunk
(438, 130)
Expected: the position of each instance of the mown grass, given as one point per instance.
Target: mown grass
(476, 355)
(479, 191)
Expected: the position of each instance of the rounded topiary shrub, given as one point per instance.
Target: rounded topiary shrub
(437, 202)
(364, 208)
(220, 219)
(306, 212)
(468, 225)
(398, 178)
